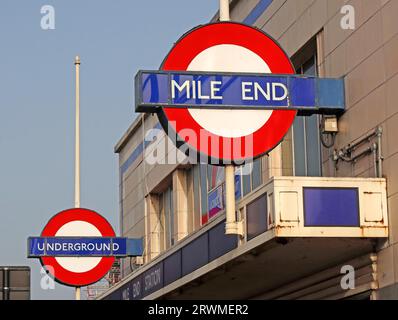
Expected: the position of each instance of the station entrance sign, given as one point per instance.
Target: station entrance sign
(78, 247)
(206, 90)
(235, 85)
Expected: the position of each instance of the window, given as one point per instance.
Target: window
(306, 143)
(203, 193)
(215, 192)
(256, 174)
(246, 183)
(256, 217)
(212, 186)
(166, 210)
(253, 177)
(216, 176)
(195, 207)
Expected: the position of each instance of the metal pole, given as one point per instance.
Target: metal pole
(77, 147)
(224, 10)
(6, 284)
(230, 225)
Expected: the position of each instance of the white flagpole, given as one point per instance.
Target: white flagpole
(77, 147)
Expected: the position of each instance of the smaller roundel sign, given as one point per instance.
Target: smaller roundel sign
(77, 271)
(226, 135)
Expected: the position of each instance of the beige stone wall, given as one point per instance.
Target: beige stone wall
(241, 8)
(141, 183)
(180, 200)
(368, 59)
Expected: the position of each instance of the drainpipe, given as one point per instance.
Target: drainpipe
(380, 155)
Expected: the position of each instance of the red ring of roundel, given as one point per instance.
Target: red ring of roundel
(63, 275)
(191, 44)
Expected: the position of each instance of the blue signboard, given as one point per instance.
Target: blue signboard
(83, 246)
(331, 207)
(211, 245)
(242, 91)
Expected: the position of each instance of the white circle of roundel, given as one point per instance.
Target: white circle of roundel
(78, 229)
(230, 58)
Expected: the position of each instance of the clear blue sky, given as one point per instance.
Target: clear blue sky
(114, 39)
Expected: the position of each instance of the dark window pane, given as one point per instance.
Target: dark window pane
(215, 176)
(203, 192)
(171, 217)
(167, 217)
(313, 146)
(256, 214)
(256, 174)
(215, 201)
(209, 177)
(196, 193)
(299, 147)
(238, 185)
(246, 182)
(309, 68)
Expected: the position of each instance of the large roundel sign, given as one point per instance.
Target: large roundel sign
(77, 271)
(235, 135)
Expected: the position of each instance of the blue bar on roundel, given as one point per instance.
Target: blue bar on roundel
(36, 246)
(172, 89)
(302, 92)
(331, 94)
(134, 247)
(119, 246)
(84, 246)
(155, 88)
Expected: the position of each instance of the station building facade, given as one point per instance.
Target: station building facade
(287, 249)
